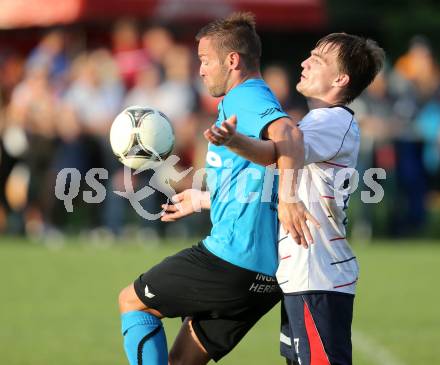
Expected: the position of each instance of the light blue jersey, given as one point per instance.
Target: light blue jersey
(244, 226)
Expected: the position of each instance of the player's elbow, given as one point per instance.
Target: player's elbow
(291, 134)
(281, 130)
(291, 129)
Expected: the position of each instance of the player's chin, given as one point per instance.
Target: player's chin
(299, 86)
(216, 92)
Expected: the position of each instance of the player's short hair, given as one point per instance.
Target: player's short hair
(236, 33)
(360, 58)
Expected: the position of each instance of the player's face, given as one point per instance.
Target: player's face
(319, 73)
(213, 70)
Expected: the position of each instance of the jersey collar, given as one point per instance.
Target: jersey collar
(343, 107)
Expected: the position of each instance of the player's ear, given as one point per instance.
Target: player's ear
(342, 80)
(233, 60)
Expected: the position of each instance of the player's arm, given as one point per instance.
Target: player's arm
(186, 203)
(289, 146)
(259, 151)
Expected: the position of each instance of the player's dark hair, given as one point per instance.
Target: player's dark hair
(236, 33)
(360, 58)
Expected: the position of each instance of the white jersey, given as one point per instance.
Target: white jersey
(331, 143)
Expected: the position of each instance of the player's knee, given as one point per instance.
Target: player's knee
(128, 300)
(122, 299)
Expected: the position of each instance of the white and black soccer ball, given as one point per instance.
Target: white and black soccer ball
(140, 135)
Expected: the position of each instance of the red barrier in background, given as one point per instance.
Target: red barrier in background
(281, 14)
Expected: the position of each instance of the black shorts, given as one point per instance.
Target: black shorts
(317, 323)
(223, 300)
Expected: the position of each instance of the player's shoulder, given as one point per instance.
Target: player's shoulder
(251, 91)
(331, 117)
(330, 113)
(253, 99)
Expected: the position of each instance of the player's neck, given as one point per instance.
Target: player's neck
(242, 77)
(315, 103)
(250, 75)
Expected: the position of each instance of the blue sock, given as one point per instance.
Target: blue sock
(144, 339)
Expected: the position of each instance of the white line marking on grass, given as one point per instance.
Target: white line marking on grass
(375, 352)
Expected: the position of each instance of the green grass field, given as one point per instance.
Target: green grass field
(59, 305)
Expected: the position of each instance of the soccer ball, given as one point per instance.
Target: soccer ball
(141, 136)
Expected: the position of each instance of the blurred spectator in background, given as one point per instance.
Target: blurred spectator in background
(50, 54)
(31, 114)
(426, 78)
(129, 55)
(144, 91)
(428, 126)
(374, 110)
(12, 66)
(415, 82)
(176, 95)
(156, 42)
(89, 105)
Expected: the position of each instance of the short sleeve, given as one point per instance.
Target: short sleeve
(255, 108)
(324, 133)
(267, 116)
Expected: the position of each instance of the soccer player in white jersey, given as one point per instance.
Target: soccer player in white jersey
(319, 280)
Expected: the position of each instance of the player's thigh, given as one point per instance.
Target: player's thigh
(159, 289)
(220, 334)
(190, 282)
(171, 287)
(187, 349)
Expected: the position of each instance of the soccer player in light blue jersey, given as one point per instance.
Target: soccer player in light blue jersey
(225, 284)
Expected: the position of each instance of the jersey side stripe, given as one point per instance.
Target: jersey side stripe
(337, 239)
(341, 262)
(348, 284)
(334, 164)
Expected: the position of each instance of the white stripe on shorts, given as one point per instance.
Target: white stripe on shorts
(284, 339)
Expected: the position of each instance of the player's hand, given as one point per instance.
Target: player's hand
(293, 217)
(185, 203)
(224, 135)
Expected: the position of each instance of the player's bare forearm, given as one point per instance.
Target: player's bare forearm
(259, 151)
(289, 145)
(292, 213)
(290, 160)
